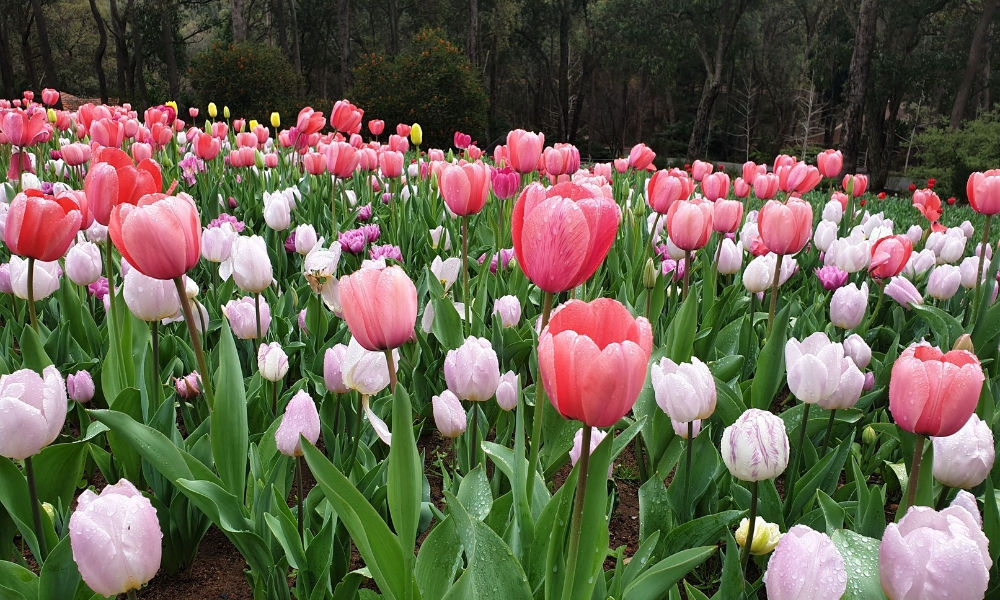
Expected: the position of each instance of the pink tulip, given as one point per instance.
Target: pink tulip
(803, 178)
(640, 157)
(398, 144)
(751, 170)
(830, 162)
(300, 419)
(806, 564)
(621, 165)
(113, 180)
(345, 117)
(983, 190)
(76, 154)
(593, 359)
(741, 188)
(160, 236)
(783, 160)
(596, 437)
(860, 184)
(341, 159)
(562, 234)
(505, 182)
(80, 387)
(107, 133)
(242, 316)
(141, 152)
(934, 393)
(391, 163)
(50, 97)
(472, 370)
(785, 228)
(23, 130)
(727, 216)
(380, 306)
(701, 169)
(562, 159)
(689, 223)
(34, 411)
(315, 163)
(765, 186)
(889, 256)
(116, 539)
(333, 365)
(666, 187)
(465, 188)
(715, 186)
(449, 416)
(376, 126)
(402, 130)
(524, 149)
(686, 391)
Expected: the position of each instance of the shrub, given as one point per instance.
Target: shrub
(950, 156)
(253, 80)
(432, 84)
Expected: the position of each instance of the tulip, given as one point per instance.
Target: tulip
(472, 370)
(272, 362)
(504, 182)
(524, 148)
(150, 299)
(830, 162)
(759, 274)
(305, 238)
(983, 191)
(596, 437)
(686, 392)
(592, 357)
(848, 305)
(34, 410)
(249, 264)
(300, 419)
(217, 243)
(376, 126)
(380, 306)
(968, 270)
(45, 283)
(277, 211)
(689, 223)
(944, 282)
(729, 258)
(80, 387)
(345, 117)
(741, 188)
(701, 169)
(333, 362)
(834, 211)
(765, 536)
(509, 309)
(23, 129)
(889, 256)
(561, 159)
(755, 447)
(785, 228)
(716, 186)
(639, 157)
(507, 391)
(765, 186)
(803, 178)
(83, 263)
(727, 215)
(933, 554)
(826, 235)
(366, 371)
(813, 366)
(805, 565)
(852, 254)
(242, 316)
(160, 236)
(76, 154)
(391, 163)
(41, 227)
(856, 185)
(902, 291)
(449, 416)
(416, 134)
(857, 350)
(847, 393)
(465, 188)
(562, 234)
(921, 262)
(964, 459)
(116, 539)
(666, 187)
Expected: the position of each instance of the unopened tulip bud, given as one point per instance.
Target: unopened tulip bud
(472, 370)
(333, 362)
(765, 536)
(80, 387)
(272, 361)
(449, 416)
(300, 419)
(596, 437)
(869, 436)
(507, 391)
(964, 342)
(509, 309)
(225, 112)
(755, 447)
(649, 274)
(275, 120)
(213, 111)
(416, 134)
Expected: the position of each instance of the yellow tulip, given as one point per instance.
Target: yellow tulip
(213, 110)
(172, 105)
(225, 111)
(52, 116)
(253, 124)
(416, 134)
(275, 120)
(765, 536)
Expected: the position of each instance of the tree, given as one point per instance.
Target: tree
(864, 45)
(99, 53)
(51, 78)
(974, 64)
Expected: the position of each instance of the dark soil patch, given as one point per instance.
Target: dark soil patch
(217, 574)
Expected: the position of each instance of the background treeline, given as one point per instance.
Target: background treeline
(890, 82)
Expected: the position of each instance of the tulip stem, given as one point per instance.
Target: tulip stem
(829, 431)
(774, 296)
(653, 238)
(474, 437)
(256, 307)
(156, 360)
(336, 415)
(113, 322)
(132, 596)
(274, 397)
(979, 269)
(750, 526)
(195, 342)
(31, 294)
(687, 467)
(914, 479)
(943, 498)
(36, 510)
(465, 268)
(333, 205)
(301, 515)
(356, 436)
(539, 414)
(792, 474)
(577, 522)
(392, 370)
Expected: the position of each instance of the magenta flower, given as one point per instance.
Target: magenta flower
(365, 213)
(238, 225)
(831, 277)
(505, 182)
(352, 241)
(386, 251)
(99, 289)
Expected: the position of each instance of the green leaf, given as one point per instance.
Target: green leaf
(14, 497)
(505, 460)
(730, 403)
(33, 355)
(640, 560)
(654, 508)
(60, 577)
(861, 561)
(129, 403)
(439, 559)
(58, 468)
(681, 332)
(17, 580)
(405, 485)
(229, 417)
(594, 531)
(991, 519)
(946, 328)
(447, 326)
(732, 583)
(770, 363)
(832, 512)
(287, 534)
(664, 574)
(700, 532)
(704, 462)
(475, 494)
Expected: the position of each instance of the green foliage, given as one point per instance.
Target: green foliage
(253, 80)
(432, 84)
(950, 156)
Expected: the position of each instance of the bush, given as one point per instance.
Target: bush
(950, 156)
(253, 80)
(433, 84)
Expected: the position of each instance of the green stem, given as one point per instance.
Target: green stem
(206, 380)
(356, 436)
(687, 274)
(274, 397)
(792, 474)
(687, 467)
(132, 595)
(392, 370)
(465, 269)
(750, 526)
(256, 306)
(576, 523)
(31, 294)
(829, 432)
(36, 510)
(474, 437)
(774, 294)
(652, 235)
(979, 269)
(540, 400)
(336, 416)
(641, 460)
(943, 498)
(914, 478)
(301, 515)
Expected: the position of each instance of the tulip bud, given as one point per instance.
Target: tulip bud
(275, 120)
(964, 342)
(730, 257)
(416, 134)
(213, 110)
(253, 124)
(472, 370)
(188, 386)
(272, 361)
(649, 274)
(869, 436)
(509, 309)
(449, 416)
(856, 348)
(80, 387)
(507, 391)
(964, 459)
(52, 116)
(83, 263)
(225, 112)
(848, 305)
(300, 419)
(305, 238)
(755, 447)
(765, 536)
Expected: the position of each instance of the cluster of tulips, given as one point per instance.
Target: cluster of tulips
(202, 312)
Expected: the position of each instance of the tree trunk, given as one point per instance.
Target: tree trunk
(27, 55)
(864, 45)
(167, 32)
(140, 77)
(470, 44)
(574, 123)
(6, 63)
(238, 11)
(564, 24)
(102, 81)
(296, 54)
(393, 10)
(121, 54)
(279, 18)
(703, 118)
(494, 91)
(344, 36)
(51, 78)
(973, 64)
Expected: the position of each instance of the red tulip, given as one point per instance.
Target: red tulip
(689, 223)
(593, 359)
(983, 190)
(41, 226)
(160, 236)
(23, 130)
(562, 234)
(50, 97)
(403, 130)
(376, 126)
(640, 157)
(727, 216)
(524, 148)
(715, 186)
(346, 118)
(113, 180)
(785, 228)
(889, 256)
(951, 200)
(830, 162)
(465, 188)
(380, 306)
(341, 159)
(207, 147)
(666, 187)
(881, 195)
(934, 393)
(462, 140)
(765, 186)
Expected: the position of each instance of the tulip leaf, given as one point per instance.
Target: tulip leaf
(405, 485)
(58, 468)
(704, 462)
(33, 355)
(14, 497)
(654, 509)
(833, 513)
(17, 583)
(504, 458)
(60, 576)
(475, 494)
(664, 574)
(991, 520)
(681, 332)
(447, 325)
(129, 403)
(700, 532)
(828, 467)
(732, 583)
(288, 536)
(770, 363)
(229, 417)
(549, 547)
(946, 328)
(729, 405)
(639, 561)
(985, 321)
(439, 559)
(861, 561)
(594, 526)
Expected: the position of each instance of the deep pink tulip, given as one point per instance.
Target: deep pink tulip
(765, 186)
(107, 133)
(785, 228)
(367, 159)
(76, 154)
(505, 182)
(727, 216)
(403, 130)
(640, 157)
(983, 190)
(40, 226)
(376, 126)
(50, 97)
(314, 162)
(380, 306)
(562, 159)
(889, 256)
(934, 393)
(346, 118)
(524, 149)
(462, 140)
(689, 223)
(141, 152)
(667, 187)
(830, 162)
(206, 147)
(741, 188)
(715, 186)
(341, 159)
(391, 163)
(465, 188)
(562, 234)
(160, 236)
(751, 170)
(593, 359)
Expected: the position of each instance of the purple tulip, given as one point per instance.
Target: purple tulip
(831, 277)
(848, 305)
(242, 316)
(188, 386)
(509, 309)
(365, 213)
(386, 251)
(472, 370)
(80, 387)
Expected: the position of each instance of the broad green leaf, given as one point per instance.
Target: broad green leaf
(770, 363)
(664, 574)
(732, 583)
(946, 328)
(60, 576)
(58, 468)
(229, 417)
(17, 580)
(447, 325)
(128, 403)
(439, 560)
(14, 497)
(861, 561)
(288, 536)
(33, 355)
(475, 494)
(700, 532)
(405, 486)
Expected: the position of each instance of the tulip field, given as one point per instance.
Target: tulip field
(382, 370)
